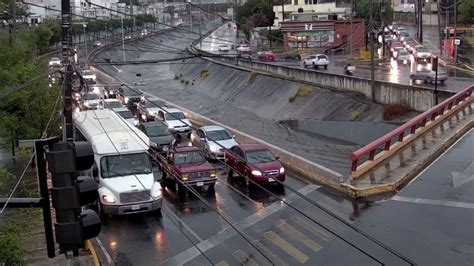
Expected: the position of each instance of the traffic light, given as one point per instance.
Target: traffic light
(70, 192)
(434, 64)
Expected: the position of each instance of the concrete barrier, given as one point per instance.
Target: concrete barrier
(416, 98)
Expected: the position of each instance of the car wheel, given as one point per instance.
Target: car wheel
(305, 65)
(442, 82)
(100, 210)
(429, 81)
(315, 66)
(326, 67)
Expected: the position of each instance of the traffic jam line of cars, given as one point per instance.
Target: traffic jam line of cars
(407, 51)
(129, 133)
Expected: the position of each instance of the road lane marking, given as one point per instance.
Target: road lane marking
(446, 203)
(243, 258)
(272, 256)
(219, 238)
(291, 231)
(336, 212)
(221, 263)
(319, 232)
(285, 246)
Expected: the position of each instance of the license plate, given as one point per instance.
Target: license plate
(200, 184)
(165, 148)
(135, 207)
(271, 179)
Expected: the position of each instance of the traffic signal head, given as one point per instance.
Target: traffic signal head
(70, 192)
(434, 64)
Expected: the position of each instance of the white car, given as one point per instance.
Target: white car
(97, 44)
(127, 115)
(213, 140)
(91, 101)
(316, 61)
(224, 48)
(175, 120)
(144, 32)
(422, 52)
(243, 48)
(89, 76)
(54, 62)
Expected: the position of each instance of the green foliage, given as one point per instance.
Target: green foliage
(44, 34)
(255, 13)
(466, 12)
(5, 10)
(362, 9)
(11, 246)
(253, 76)
(303, 91)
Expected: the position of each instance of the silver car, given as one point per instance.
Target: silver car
(428, 76)
(213, 140)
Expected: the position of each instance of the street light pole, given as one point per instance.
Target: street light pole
(372, 48)
(85, 42)
(123, 40)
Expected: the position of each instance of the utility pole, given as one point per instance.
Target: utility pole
(352, 32)
(372, 48)
(131, 15)
(66, 45)
(12, 24)
(439, 29)
(123, 40)
(282, 10)
(420, 23)
(270, 24)
(455, 34)
(382, 14)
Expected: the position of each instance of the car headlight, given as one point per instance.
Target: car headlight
(213, 148)
(126, 99)
(86, 104)
(213, 174)
(108, 198)
(185, 177)
(153, 144)
(156, 191)
(256, 172)
(405, 62)
(282, 170)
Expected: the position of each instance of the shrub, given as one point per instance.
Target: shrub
(204, 73)
(392, 111)
(176, 77)
(187, 82)
(253, 76)
(304, 90)
(292, 98)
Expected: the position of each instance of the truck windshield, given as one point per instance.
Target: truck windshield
(188, 157)
(125, 164)
(261, 156)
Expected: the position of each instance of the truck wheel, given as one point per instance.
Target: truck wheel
(104, 218)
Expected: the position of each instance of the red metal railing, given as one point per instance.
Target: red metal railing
(412, 125)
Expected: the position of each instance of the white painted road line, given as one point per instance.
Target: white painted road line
(446, 203)
(219, 238)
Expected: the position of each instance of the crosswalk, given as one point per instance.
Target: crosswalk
(290, 240)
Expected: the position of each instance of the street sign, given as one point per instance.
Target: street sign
(308, 26)
(457, 41)
(230, 11)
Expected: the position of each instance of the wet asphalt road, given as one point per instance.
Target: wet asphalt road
(269, 230)
(391, 72)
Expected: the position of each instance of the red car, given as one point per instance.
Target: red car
(254, 162)
(266, 56)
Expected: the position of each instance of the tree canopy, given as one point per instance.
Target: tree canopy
(466, 12)
(255, 13)
(362, 9)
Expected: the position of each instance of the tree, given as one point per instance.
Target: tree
(466, 12)
(255, 13)
(5, 10)
(362, 8)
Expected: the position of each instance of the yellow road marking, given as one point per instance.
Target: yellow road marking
(221, 263)
(272, 256)
(243, 258)
(90, 247)
(285, 246)
(319, 232)
(291, 231)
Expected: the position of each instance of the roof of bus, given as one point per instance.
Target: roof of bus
(108, 134)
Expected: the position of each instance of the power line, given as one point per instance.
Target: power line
(25, 84)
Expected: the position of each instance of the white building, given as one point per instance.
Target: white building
(38, 14)
(322, 9)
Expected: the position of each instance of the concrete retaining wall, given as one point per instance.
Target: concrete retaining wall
(416, 98)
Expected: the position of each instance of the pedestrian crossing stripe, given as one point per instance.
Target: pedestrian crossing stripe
(291, 231)
(243, 258)
(319, 232)
(285, 246)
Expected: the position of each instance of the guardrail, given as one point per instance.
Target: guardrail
(421, 121)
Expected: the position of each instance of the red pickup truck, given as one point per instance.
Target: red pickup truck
(254, 162)
(187, 166)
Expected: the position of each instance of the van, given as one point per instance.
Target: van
(122, 165)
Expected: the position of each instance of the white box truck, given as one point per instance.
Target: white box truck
(122, 163)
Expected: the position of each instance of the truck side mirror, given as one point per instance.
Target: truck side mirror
(95, 172)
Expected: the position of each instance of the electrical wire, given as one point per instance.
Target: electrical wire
(25, 84)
